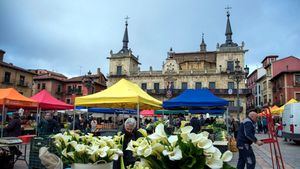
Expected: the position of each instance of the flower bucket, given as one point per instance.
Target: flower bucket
(92, 166)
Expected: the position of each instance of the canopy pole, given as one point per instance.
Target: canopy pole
(138, 113)
(123, 115)
(227, 123)
(37, 120)
(2, 129)
(114, 119)
(74, 119)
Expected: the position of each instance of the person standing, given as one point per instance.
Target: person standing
(129, 133)
(94, 125)
(235, 127)
(48, 125)
(265, 125)
(245, 137)
(195, 123)
(13, 129)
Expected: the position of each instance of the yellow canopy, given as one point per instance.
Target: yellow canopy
(123, 94)
(271, 108)
(280, 109)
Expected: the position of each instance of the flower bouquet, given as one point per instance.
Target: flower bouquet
(184, 150)
(87, 151)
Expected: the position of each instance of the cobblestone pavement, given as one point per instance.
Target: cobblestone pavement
(290, 153)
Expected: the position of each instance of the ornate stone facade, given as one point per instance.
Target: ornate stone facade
(184, 70)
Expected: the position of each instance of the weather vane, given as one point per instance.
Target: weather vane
(126, 18)
(228, 8)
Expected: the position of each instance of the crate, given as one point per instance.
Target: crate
(36, 144)
(6, 159)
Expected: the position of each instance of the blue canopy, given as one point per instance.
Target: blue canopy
(196, 99)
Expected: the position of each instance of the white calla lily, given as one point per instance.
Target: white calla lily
(175, 154)
(173, 140)
(205, 134)
(227, 156)
(185, 131)
(64, 152)
(204, 143)
(143, 132)
(214, 163)
(80, 148)
(159, 133)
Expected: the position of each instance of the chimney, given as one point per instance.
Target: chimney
(98, 71)
(2, 52)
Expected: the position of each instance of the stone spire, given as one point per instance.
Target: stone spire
(228, 32)
(125, 37)
(202, 45)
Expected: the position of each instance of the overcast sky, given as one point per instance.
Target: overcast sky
(70, 36)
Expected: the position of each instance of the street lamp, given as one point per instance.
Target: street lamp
(238, 74)
(88, 81)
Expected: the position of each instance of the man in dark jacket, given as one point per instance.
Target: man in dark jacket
(195, 123)
(246, 136)
(13, 129)
(48, 125)
(130, 133)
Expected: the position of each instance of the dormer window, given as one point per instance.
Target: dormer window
(119, 70)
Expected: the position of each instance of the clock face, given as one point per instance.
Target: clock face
(170, 67)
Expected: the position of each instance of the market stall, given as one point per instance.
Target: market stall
(280, 109)
(123, 94)
(10, 98)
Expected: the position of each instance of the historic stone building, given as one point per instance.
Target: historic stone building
(66, 89)
(15, 77)
(185, 70)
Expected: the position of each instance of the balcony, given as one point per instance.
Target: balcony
(23, 84)
(7, 82)
(176, 92)
(230, 92)
(59, 92)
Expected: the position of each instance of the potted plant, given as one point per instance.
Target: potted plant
(87, 151)
(184, 150)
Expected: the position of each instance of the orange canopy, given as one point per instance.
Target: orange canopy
(12, 98)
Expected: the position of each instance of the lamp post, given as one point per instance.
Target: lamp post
(88, 81)
(238, 74)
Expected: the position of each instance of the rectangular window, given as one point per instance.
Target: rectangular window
(297, 96)
(212, 85)
(69, 89)
(39, 86)
(43, 85)
(230, 66)
(22, 80)
(198, 85)
(58, 88)
(79, 89)
(230, 85)
(7, 77)
(184, 85)
(297, 79)
(68, 101)
(156, 87)
(231, 103)
(144, 86)
(119, 70)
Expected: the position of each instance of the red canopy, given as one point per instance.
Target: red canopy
(48, 102)
(148, 113)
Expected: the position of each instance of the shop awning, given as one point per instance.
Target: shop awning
(13, 99)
